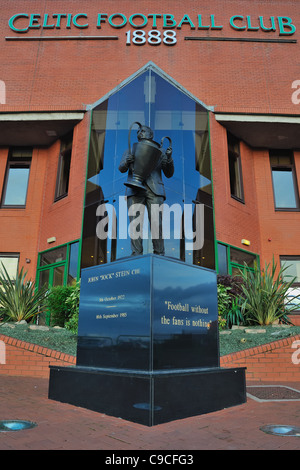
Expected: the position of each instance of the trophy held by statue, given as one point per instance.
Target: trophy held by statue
(147, 154)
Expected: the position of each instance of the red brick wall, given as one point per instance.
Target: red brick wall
(26, 231)
(28, 359)
(267, 363)
(232, 76)
(63, 219)
(271, 233)
(279, 230)
(270, 362)
(234, 220)
(19, 227)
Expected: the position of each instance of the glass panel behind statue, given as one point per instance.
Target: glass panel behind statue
(145, 163)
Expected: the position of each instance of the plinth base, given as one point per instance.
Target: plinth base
(148, 398)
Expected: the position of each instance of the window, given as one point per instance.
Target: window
(292, 271)
(222, 259)
(56, 255)
(63, 170)
(284, 180)
(73, 263)
(153, 100)
(235, 168)
(292, 268)
(11, 262)
(59, 266)
(231, 260)
(238, 258)
(16, 179)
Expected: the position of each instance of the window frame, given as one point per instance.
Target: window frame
(66, 148)
(235, 158)
(11, 255)
(283, 167)
(11, 163)
(295, 285)
(61, 263)
(231, 264)
(290, 258)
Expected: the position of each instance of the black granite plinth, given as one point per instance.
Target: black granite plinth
(148, 344)
(148, 398)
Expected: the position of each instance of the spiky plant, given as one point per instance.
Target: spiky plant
(266, 295)
(19, 298)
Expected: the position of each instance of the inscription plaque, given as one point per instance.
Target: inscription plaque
(143, 313)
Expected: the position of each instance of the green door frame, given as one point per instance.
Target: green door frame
(51, 268)
(231, 264)
(58, 264)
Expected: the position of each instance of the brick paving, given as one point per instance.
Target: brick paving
(66, 427)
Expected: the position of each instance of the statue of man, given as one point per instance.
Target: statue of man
(154, 192)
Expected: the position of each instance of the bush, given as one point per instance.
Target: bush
(234, 315)
(233, 282)
(229, 304)
(224, 303)
(59, 310)
(19, 298)
(73, 302)
(266, 295)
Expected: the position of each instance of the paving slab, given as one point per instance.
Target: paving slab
(66, 427)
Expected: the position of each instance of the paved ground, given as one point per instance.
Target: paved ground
(65, 427)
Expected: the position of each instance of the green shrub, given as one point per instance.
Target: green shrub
(234, 315)
(73, 302)
(224, 303)
(19, 298)
(229, 305)
(233, 282)
(266, 295)
(59, 310)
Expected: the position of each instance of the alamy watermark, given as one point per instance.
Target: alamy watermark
(2, 92)
(296, 93)
(296, 354)
(187, 222)
(2, 353)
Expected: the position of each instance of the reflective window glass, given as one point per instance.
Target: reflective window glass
(44, 278)
(10, 263)
(284, 180)
(284, 191)
(292, 268)
(242, 257)
(53, 256)
(64, 164)
(16, 179)
(177, 121)
(58, 276)
(235, 168)
(73, 263)
(222, 259)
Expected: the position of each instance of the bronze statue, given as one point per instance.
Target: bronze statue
(144, 163)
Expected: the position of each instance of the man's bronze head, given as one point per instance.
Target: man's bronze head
(145, 132)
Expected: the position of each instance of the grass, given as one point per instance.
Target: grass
(64, 341)
(239, 340)
(58, 339)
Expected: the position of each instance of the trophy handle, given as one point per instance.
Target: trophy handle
(129, 143)
(162, 141)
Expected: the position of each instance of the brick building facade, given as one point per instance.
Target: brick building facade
(62, 62)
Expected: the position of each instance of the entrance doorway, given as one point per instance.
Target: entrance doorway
(58, 267)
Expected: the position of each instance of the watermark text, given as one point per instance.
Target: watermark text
(2, 353)
(165, 221)
(296, 354)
